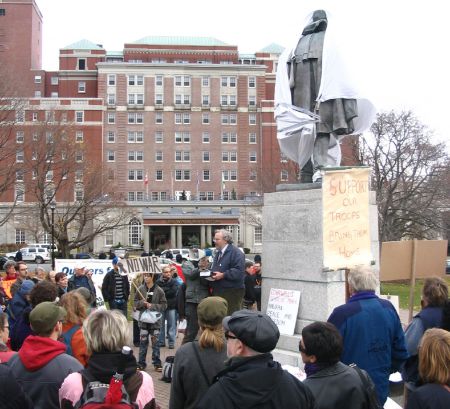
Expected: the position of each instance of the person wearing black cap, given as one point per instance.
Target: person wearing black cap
(251, 377)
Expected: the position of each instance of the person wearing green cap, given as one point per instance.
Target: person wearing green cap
(41, 365)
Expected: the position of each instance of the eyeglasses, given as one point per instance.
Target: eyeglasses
(228, 336)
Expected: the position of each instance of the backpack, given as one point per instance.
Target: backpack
(67, 338)
(94, 393)
(167, 369)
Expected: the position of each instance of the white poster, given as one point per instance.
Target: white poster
(283, 309)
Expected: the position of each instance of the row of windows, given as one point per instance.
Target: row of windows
(180, 137)
(49, 137)
(78, 194)
(182, 81)
(186, 174)
(49, 156)
(181, 156)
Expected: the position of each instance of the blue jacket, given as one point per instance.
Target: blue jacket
(373, 337)
(232, 264)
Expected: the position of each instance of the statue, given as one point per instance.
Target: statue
(312, 84)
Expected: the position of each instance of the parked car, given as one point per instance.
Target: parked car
(184, 253)
(84, 256)
(37, 254)
(44, 246)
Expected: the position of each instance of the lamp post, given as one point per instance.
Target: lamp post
(52, 208)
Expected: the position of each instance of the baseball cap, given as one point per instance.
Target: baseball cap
(44, 317)
(212, 310)
(254, 329)
(115, 260)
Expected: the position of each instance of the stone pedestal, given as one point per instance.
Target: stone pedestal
(293, 259)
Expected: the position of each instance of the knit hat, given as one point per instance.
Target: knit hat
(26, 287)
(212, 310)
(44, 317)
(254, 329)
(115, 260)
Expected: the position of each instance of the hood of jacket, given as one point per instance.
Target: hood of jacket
(37, 351)
(253, 380)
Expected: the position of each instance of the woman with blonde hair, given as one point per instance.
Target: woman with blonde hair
(106, 333)
(72, 334)
(434, 371)
(196, 363)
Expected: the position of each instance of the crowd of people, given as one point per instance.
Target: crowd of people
(58, 350)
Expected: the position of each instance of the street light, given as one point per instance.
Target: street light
(52, 208)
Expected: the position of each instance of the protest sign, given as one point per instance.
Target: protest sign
(283, 309)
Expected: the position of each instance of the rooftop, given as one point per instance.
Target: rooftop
(179, 40)
(272, 49)
(83, 45)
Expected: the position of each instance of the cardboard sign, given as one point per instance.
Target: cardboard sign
(7, 286)
(346, 230)
(148, 264)
(283, 309)
(397, 258)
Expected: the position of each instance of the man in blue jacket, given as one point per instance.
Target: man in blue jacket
(228, 271)
(371, 329)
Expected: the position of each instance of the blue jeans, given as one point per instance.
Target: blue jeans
(123, 307)
(143, 346)
(171, 317)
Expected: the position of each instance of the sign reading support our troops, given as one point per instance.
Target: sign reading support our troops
(346, 230)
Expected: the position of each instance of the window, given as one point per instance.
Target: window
(229, 175)
(111, 98)
(205, 156)
(64, 117)
(205, 119)
(131, 196)
(252, 82)
(49, 176)
(252, 100)
(135, 156)
(228, 119)
(159, 80)
(79, 194)
(182, 174)
(79, 116)
(135, 136)
(111, 137)
(182, 119)
(111, 117)
(19, 156)
(284, 175)
(37, 79)
(159, 137)
(206, 175)
(109, 238)
(111, 155)
(54, 94)
(163, 195)
(206, 196)
(228, 82)
(135, 174)
(49, 116)
(182, 99)
(20, 116)
(20, 137)
(257, 235)
(205, 81)
(79, 156)
(159, 99)
(54, 80)
(159, 156)
(134, 232)
(182, 81)
(20, 235)
(78, 176)
(252, 156)
(81, 86)
(34, 155)
(252, 137)
(34, 116)
(159, 118)
(182, 137)
(135, 99)
(252, 119)
(182, 156)
(19, 175)
(229, 137)
(205, 137)
(20, 194)
(159, 175)
(205, 100)
(81, 64)
(112, 79)
(135, 118)
(228, 100)
(79, 136)
(135, 80)
(252, 175)
(283, 158)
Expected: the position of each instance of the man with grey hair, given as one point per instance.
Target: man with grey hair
(251, 377)
(228, 271)
(371, 330)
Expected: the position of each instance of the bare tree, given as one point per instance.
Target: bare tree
(410, 177)
(65, 171)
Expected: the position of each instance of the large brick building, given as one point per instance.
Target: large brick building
(168, 118)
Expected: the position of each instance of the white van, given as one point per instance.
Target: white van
(44, 246)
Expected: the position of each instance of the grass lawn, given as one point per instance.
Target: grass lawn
(401, 288)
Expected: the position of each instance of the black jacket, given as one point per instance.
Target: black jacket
(170, 289)
(256, 382)
(109, 286)
(12, 395)
(338, 387)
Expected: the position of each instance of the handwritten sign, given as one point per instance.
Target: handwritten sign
(283, 309)
(143, 265)
(7, 286)
(346, 230)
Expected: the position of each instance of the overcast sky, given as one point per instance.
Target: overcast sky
(402, 44)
